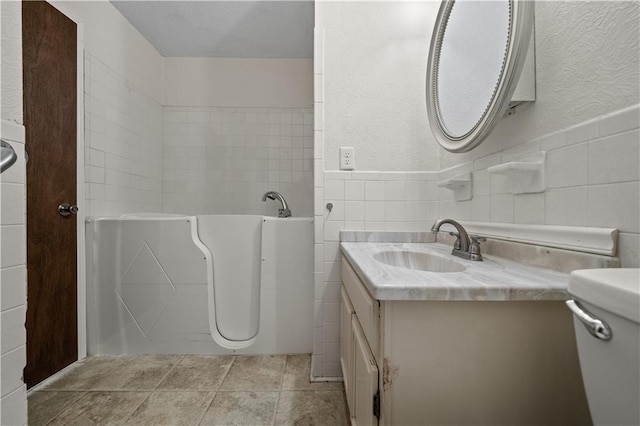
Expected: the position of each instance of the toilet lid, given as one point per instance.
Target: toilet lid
(616, 290)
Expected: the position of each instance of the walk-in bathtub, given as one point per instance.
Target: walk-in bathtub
(215, 284)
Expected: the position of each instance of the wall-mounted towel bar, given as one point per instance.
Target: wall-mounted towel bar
(7, 155)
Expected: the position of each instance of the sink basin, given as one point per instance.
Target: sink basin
(419, 261)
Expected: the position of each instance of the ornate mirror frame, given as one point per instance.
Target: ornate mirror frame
(520, 30)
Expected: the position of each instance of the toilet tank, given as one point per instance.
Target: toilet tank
(610, 368)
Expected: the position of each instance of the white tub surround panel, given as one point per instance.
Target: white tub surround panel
(123, 144)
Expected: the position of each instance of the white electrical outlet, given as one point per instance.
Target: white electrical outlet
(347, 158)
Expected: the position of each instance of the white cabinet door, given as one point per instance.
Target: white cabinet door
(346, 348)
(365, 383)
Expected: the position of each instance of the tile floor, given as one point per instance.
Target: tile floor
(190, 390)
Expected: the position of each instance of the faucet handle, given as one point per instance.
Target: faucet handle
(474, 247)
(456, 244)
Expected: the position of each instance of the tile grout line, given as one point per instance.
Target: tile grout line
(215, 392)
(233, 361)
(277, 404)
(169, 372)
(150, 392)
(275, 409)
(138, 406)
(206, 410)
(65, 409)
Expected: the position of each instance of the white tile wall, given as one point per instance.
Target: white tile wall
(222, 160)
(592, 176)
(13, 286)
(593, 172)
(123, 144)
(395, 201)
(323, 292)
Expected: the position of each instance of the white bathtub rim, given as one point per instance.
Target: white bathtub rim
(172, 216)
(133, 217)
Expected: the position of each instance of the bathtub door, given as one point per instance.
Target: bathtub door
(49, 65)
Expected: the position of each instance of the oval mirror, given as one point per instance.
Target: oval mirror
(478, 49)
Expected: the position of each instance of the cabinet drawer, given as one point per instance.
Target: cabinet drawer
(366, 307)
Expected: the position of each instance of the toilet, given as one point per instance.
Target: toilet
(606, 308)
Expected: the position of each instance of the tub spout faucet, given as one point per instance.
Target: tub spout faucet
(284, 210)
(465, 247)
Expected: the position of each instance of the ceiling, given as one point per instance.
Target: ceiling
(230, 29)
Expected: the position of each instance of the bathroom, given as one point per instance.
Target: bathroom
(361, 85)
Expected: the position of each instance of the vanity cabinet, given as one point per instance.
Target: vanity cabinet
(458, 362)
(359, 366)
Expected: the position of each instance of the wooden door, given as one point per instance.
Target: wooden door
(50, 118)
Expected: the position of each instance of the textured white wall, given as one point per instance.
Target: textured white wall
(375, 57)
(587, 64)
(234, 82)
(114, 41)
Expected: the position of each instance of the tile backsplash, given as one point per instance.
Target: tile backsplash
(221, 160)
(593, 180)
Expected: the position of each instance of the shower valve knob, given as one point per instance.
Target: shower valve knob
(66, 209)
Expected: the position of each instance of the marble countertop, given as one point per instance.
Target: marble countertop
(491, 279)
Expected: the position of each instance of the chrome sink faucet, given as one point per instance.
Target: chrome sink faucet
(284, 210)
(466, 247)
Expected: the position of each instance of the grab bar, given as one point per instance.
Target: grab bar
(8, 155)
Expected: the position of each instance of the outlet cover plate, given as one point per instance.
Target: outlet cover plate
(347, 158)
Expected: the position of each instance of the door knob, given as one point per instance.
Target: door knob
(66, 209)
